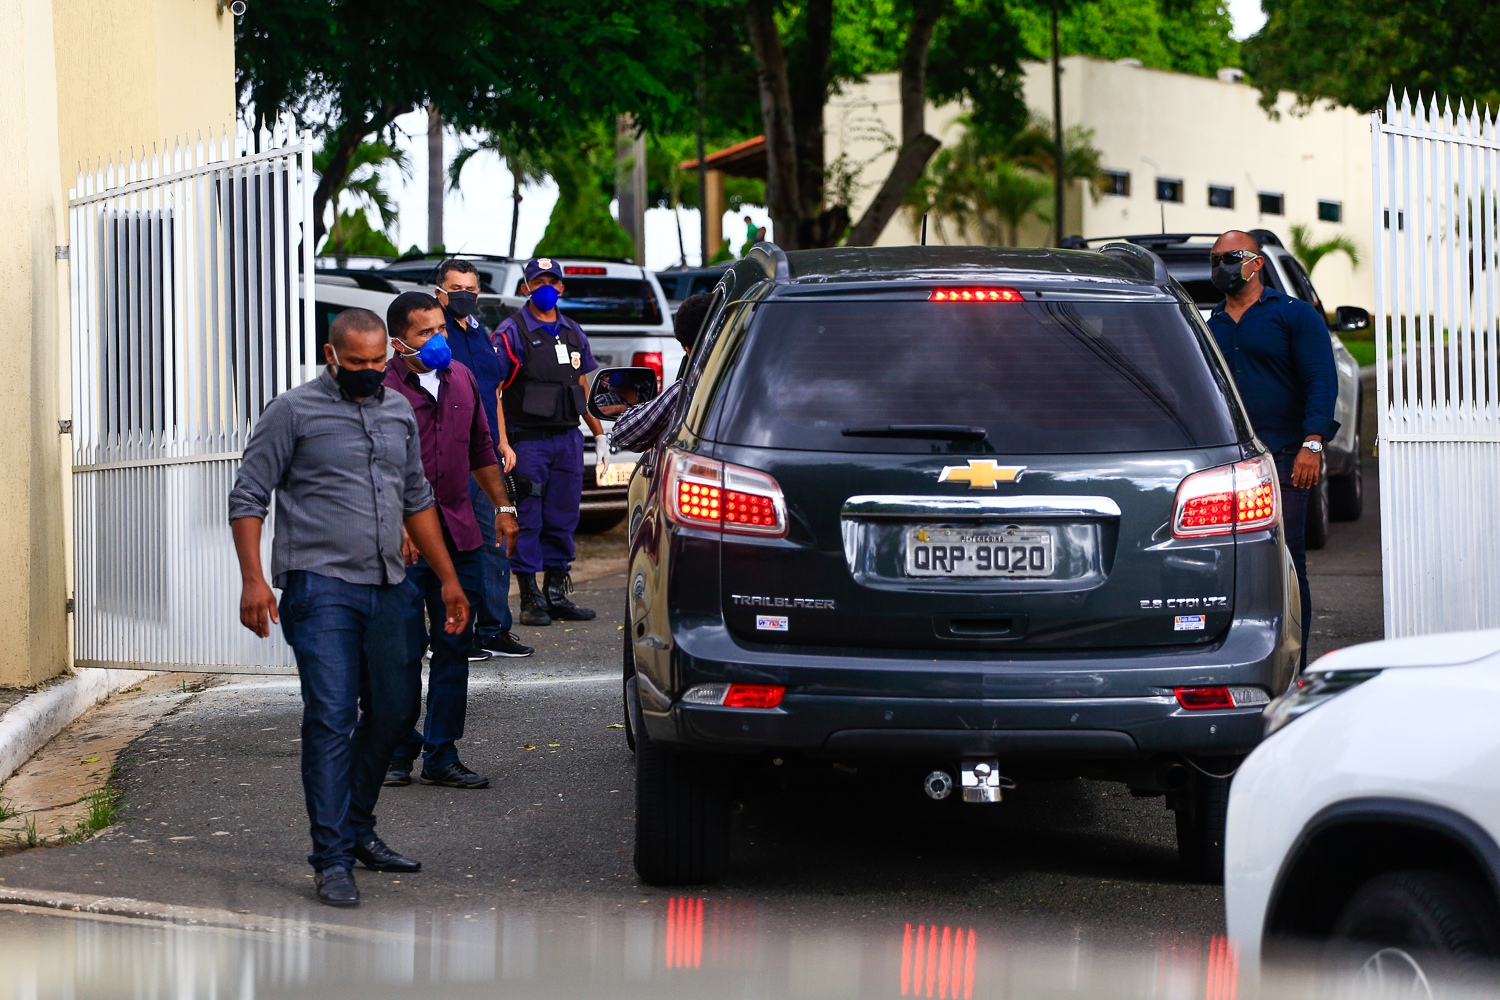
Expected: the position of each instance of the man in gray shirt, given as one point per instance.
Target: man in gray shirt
(343, 455)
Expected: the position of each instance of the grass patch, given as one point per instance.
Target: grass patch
(102, 810)
(8, 811)
(28, 837)
(1363, 351)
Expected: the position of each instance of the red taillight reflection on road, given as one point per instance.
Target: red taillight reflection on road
(1223, 969)
(937, 963)
(684, 933)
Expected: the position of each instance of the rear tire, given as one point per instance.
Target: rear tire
(1202, 810)
(1317, 515)
(1402, 927)
(681, 814)
(1346, 493)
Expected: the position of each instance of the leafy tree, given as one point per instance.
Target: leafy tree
(1308, 253)
(1355, 52)
(358, 238)
(350, 67)
(525, 168)
(361, 178)
(1189, 36)
(580, 224)
(980, 192)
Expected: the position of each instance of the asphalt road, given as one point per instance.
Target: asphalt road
(214, 815)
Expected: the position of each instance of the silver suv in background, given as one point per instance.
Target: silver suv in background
(619, 305)
(1339, 495)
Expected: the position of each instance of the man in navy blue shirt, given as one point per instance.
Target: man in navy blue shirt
(458, 292)
(1280, 354)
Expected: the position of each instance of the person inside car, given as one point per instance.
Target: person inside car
(640, 427)
(1278, 350)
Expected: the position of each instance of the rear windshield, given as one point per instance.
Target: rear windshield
(608, 300)
(1040, 378)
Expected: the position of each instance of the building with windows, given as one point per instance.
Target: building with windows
(84, 80)
(1181, 154)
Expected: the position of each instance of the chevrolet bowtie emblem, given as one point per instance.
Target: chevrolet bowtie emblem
(981, 474)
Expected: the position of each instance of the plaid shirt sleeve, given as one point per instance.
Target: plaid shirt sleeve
(640, 426)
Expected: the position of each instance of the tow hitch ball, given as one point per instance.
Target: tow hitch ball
(980, 779)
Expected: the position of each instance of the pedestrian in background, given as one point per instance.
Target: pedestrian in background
(456, 450)
(1281, 357)
(458, 292)
(544, 357)
(342, 454)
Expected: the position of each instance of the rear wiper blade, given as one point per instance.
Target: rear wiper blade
(934, 432)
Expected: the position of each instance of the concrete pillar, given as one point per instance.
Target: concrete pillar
(630, 183)
(437, 178)
(714, 210)
(33, 224)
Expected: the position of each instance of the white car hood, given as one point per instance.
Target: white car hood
(1448, 649)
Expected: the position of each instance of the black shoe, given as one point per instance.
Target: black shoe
(336, 887)
(559, 583)
(453, 775)
(397, 775)
(377, 856)
(478, 652)
(508, 645)
(533, 603)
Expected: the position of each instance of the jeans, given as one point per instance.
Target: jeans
(448, 674)
(1294, 525)
(549, 521)
(360, 692)
(492, 612)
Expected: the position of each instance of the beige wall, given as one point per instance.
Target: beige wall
(1155, 123)
(136, 73)
(81, 81)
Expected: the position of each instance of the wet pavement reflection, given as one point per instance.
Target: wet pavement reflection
(689, 947)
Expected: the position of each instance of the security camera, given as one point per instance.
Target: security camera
(237, 8)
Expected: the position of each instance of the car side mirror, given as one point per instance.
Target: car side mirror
(1347, 319)
(615, 390)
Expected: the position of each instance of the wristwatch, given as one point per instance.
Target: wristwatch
(1313, 446)
(506, 510)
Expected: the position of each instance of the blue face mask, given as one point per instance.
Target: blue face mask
(545, 297)
(435, 354)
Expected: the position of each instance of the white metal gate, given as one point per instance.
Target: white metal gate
(187, 319)
(1437, 296)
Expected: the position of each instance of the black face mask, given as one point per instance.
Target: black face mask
(462, 304)
(1229, 278)
(358, 383)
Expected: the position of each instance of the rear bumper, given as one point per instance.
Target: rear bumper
(1095, 709)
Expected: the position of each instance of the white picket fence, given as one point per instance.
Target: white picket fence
(1437, 296)
(187, 318)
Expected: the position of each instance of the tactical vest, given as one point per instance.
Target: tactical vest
(545, 397)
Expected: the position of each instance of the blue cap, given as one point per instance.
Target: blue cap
(538, 266)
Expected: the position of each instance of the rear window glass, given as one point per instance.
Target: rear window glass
(608, 300)
(1040, 378)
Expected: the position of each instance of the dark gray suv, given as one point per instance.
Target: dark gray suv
(966, 515)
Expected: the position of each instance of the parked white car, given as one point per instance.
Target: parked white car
(1365, 833)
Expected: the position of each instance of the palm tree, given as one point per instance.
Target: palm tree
(1309, 253)
(974, 185)
(525, 167)
(363, 181)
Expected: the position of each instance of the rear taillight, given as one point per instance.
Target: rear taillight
(1205, 698)
(735, 695)
(648, 359)
(1237, 497)
(709, 494)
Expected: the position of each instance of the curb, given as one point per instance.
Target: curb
(35, 719)
(189, 916)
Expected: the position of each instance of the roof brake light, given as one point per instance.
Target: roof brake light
(575, 269)
(975, 295)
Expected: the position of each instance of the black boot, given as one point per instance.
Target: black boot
(533, 604)
(559, 584)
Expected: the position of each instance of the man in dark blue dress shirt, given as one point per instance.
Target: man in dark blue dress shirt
(458, 292)
(1280, 354)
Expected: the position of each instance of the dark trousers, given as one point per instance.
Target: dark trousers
(360, 692)
(1294, 525)
(549, 521)
(448, 673)
(492, 613)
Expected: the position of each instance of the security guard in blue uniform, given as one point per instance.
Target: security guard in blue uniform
(544, 357)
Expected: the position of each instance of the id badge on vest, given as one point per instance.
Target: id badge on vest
(562, 353)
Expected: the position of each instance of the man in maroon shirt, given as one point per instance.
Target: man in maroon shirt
(455, 443)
